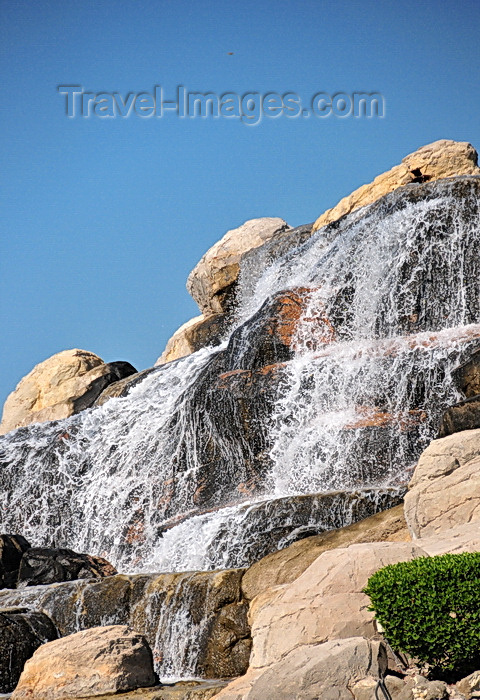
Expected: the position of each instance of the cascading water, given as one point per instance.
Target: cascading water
(392, 305)
(398, 285)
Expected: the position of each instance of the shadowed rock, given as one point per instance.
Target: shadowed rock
(12, 548)
(43, 565)
(22, 631)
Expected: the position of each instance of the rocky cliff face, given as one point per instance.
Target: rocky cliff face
(342, 352)
(342, 360)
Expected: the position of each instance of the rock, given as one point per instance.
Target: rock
(264, 527)
(429, 690)
(21, 632)
(399, 688)
(434, 161)
(212, 282)
(89, 663)
(287, 564)
(43, 565)
(183, 690)
(463, 538)
(62, 385)
(195, 334)
(467, 376)
(327, 671)
(326, 602)
(123, 386)
(470, 686)
(12, 548)
(216, 639)
(464, 415)
(445, 489)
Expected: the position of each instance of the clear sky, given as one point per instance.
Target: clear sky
(103, 219)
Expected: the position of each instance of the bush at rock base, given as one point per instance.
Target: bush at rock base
(430, 608)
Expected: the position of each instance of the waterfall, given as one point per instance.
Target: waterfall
(392, 307)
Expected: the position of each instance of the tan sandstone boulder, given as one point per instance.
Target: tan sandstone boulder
(445, 489)
(94, 662)
(211, 282)
(326, 602)
(193, 335)
(327, 671)
(60, 386)
(288, 564)
(431, 162)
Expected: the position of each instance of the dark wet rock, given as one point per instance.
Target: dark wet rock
(464, 415)
(44, 565)
(215, 635)
(12, 548)
(112, 372)
(123, 386)
(183, 690)
(285, 565)
(22, 631)
(268, 526)
(467, 376)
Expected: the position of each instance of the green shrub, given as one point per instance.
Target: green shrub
(430, 609)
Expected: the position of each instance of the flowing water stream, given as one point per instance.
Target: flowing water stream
(396, 287)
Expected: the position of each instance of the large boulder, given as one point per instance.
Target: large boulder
(288, 564)
(445, 489)
(212, 282)
(328, 671)
(43, 565)
(12, 549)
(60, 386)
(93, 662)
(22, 631)
(326, 602)
(194, 335)
(434, 161)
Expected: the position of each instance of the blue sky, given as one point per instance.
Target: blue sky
(103, 219)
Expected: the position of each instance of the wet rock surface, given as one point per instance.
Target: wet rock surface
(12, 548)
(464, 415)
(22, 631)
(44, 565)
(288, 564)
(195, 623)
(186, 690)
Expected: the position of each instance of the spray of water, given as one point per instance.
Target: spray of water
(396, 287)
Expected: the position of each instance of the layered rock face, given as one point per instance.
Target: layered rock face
(341, 357)
(66, 383)
(334, 379)
(195, 623)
